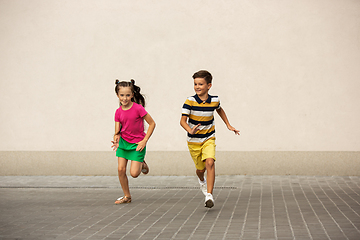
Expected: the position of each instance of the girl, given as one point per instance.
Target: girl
(130, 139)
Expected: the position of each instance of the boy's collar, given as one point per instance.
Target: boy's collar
(208, 100)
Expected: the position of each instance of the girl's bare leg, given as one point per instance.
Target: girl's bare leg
(210, 168)
(135, 168)
(122, 163)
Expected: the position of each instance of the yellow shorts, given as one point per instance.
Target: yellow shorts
(200, 152)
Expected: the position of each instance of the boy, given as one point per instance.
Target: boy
(199, 110)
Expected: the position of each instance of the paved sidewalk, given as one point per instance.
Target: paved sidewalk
(246, 207)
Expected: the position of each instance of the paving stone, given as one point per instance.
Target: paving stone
(172, 207)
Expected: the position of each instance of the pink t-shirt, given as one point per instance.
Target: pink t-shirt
(132, 123)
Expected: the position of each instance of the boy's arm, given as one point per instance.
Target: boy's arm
(223, 116)
(183, 123)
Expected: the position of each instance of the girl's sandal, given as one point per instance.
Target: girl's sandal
(145, 168)
(122, 200)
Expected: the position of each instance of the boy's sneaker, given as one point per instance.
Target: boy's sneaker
(209, 200)
(203, 187)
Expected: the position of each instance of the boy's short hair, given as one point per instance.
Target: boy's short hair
(203, 74)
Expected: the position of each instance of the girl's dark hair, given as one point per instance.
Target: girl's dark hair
(138, 97)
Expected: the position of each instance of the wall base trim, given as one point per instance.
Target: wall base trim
(179, 163)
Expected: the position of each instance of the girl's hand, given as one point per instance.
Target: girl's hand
(195, 129)
(141, 145)
(115, 145)
(116, 138)
(231, 128)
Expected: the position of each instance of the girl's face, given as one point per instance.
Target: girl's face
(201, 87)
(125, 95)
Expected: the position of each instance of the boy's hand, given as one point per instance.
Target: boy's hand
(231, 128)
(195, 129)
(115, 145)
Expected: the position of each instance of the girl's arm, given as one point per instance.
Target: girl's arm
(223, 116)
(151, 122)
(183, 123)
(116, 136)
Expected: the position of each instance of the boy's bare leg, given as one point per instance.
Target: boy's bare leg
(210, 168)
(200, 174)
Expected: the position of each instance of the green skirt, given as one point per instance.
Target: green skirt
(128, 151)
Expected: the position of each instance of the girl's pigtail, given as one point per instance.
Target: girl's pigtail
(117, 86)
(138, 97)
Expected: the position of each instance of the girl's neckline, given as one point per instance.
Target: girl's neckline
(132, 104)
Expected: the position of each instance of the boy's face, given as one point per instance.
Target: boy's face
(201, 87)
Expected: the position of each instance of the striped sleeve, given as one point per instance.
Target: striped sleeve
(217, 100)
(186, 109)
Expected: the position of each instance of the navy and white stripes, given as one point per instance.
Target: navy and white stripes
(201, 112)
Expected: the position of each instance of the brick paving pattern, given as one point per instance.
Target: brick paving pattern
(246, 207)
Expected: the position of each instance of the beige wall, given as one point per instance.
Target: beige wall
(287, 73)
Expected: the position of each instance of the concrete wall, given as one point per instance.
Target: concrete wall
(287, 73)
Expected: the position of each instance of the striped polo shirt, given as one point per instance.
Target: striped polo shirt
(202, 112)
